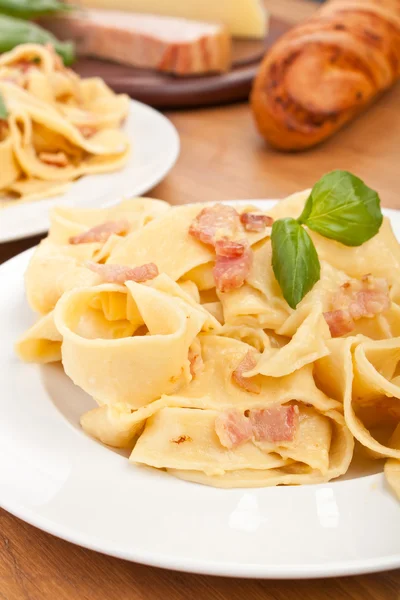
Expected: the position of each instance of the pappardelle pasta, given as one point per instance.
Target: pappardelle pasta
(56, 126)
(172, 319)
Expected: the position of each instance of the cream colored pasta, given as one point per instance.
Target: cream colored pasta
(60, 266)
(172, 358)
(58, 128)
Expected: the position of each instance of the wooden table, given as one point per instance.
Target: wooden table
(222, 157)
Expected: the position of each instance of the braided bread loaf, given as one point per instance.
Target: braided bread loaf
(325, 71)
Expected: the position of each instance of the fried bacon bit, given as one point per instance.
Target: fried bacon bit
(196, 362)
(355, 300)
(275, 424)
(101, 233)
(247, 383)
(215, 222)
(255, 221)
(231, 273)
(12, 79)
(24, 65)
(229, 248)
(233, 428)
(87, 130)
(339, 322)
(181, 439)
(55, 159)
(217, 225)
(120, 273)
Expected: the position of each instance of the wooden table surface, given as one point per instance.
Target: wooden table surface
(222, 157)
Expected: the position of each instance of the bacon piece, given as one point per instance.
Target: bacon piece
(231, 273)
(87, 130)
(255, 221)
(196, 362)
(369, 303)
(356, 300)
(275, 424)
(215, 222)
(55, 159)
(12, 79)
(216, 225)
(100, 233)
(24, 65)
(233, 428)
(229, 248)
(340, 322)
(247, 383)
(121, 273)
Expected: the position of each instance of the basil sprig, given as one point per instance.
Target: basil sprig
(343, 208)
(3, 109)
(340, 207)
(294, 260)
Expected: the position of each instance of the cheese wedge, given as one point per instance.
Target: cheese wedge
(243, 18)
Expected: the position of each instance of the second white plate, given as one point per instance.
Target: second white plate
(55, 477)
(155, 148)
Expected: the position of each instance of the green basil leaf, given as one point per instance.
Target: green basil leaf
(343, 208)
(294, 260)
(3, 109)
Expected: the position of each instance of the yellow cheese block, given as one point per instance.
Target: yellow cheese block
(244, 18)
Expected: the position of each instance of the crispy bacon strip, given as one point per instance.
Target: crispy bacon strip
(275, 424)
(369, 303)
(100, 233)
(340, 322)
(233, 428)
(355, 300)
(196, 362)
(216, 226)
(24, 65)
(215, 222)
(247, 383)
(121, 273)
(255, 221)
(55, 159)
(231, 273)
(87, 130)
(229, 248)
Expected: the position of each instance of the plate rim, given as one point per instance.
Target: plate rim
(196, 566)
(107, 199)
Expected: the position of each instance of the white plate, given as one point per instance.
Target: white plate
(54, 477)
(155, 148)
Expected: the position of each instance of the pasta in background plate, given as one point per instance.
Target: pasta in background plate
(58, 126)
(172, 320)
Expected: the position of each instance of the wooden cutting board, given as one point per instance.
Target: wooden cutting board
(166, 91)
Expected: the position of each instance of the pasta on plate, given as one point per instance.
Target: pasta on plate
(58, 126)
(172, 319)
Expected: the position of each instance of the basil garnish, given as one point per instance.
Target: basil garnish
(340, 207)
(294, 260)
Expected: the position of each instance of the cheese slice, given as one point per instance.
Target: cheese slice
(243, 18)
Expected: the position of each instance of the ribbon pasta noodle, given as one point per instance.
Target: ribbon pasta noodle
(59, 127)
(197, 363)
